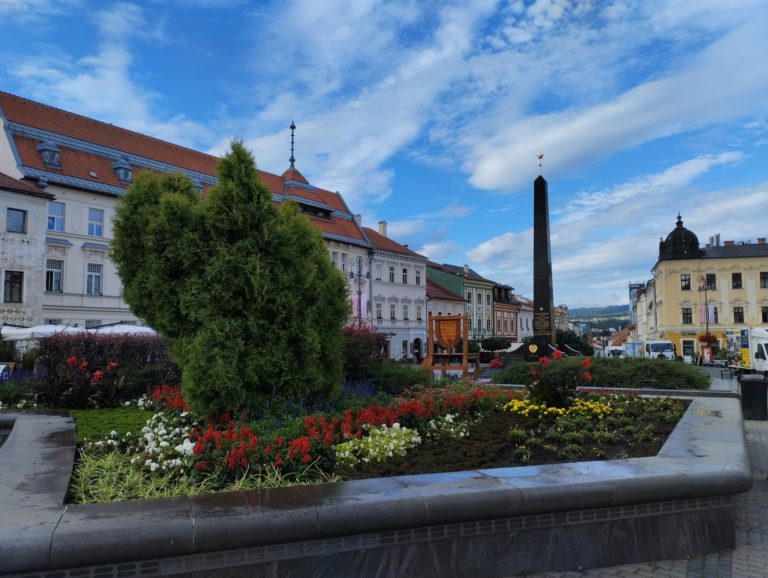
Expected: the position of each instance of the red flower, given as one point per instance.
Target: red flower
(585, 362)
(112, 365)
(587, 376)
(83, 365)
(97, 375)
(557, 354)
(71, 360)
(544, 360)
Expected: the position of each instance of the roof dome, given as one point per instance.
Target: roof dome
(680, 244)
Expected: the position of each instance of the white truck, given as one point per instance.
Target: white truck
(661, 348)
(754, 350)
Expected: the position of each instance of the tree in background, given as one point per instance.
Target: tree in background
(574, 341)
(244, 290)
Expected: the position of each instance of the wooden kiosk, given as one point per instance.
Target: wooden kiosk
(447, 331)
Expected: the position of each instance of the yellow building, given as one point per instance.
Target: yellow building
(717, 290)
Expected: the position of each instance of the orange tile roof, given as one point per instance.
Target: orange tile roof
(435, 291)
(10, 184)
(79, 164)
(383, 243)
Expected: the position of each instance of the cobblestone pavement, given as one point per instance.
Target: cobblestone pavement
(749, 559)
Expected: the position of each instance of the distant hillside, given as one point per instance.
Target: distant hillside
(589, 313)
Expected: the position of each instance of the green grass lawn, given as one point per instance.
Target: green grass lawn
(95, 424)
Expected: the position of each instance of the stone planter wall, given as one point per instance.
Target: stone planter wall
(495, 522)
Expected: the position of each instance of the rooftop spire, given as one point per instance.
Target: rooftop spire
(293, 128)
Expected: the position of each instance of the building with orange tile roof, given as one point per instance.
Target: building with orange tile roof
(397, 302)
(85, 165)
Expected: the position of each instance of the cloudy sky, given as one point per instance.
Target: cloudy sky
(429, 115)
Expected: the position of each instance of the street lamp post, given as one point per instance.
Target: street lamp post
(703, 287)
(360, 281)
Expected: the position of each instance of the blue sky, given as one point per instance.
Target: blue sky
(429, 115)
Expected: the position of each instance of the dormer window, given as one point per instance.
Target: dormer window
(122, 170)
(49, 153)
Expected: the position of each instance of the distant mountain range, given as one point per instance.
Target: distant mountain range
(588, 313)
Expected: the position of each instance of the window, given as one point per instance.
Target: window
(53, 269)
(763, 280)
(56, 216)
(711, 282)
(469, 297)
(738, 315)
(488, 299)
(378, 271)
(469, 323)
(52, 321)
(405, 312)
(714, 316)
(685, 282)
(379, 314)
(343, 263)
(405, 276)
(418, 312)
(16, 221)
(392, 311)
(14, 283)
(479, 298)
(92, 323)
(687, 315)
(736, 280)
(95, 223)
(765, 314)
(488, 325)
(418, 276)
(335, 259)
(506, 326)
(405, 347)
(93, 280)
(498, 326)
(391, 273)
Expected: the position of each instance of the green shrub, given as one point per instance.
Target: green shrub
(612, 373)
(363, 349)
(13, 391)
(392, 378)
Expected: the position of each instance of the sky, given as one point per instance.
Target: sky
(430, 115)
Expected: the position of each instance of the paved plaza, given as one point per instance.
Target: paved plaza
(749, 559)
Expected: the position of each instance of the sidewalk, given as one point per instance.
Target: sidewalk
(750, 557)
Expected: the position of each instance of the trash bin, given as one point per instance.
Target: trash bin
(754, 397)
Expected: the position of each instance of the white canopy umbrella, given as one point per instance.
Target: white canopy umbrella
(123, 330)
(10, 333)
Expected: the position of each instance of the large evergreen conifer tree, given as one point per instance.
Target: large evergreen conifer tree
(244, 290)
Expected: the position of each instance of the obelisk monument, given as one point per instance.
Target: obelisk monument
(543, 328)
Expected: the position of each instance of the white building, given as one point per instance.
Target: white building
(78, 168)
(23, 213)
(398, 297)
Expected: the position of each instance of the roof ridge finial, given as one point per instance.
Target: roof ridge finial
(540, 156)
(293, 128)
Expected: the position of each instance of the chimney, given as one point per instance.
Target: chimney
(728, 243)
(466, 269)
(383, 228)
(761, 240)
(358, 219)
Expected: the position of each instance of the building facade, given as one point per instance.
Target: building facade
(398, 281)
(478, 291)
(23, 213)
(718, 290)
(80, 167)
(505, 312)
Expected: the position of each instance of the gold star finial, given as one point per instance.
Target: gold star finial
(539, 156)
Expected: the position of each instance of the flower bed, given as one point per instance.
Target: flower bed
(454, 428)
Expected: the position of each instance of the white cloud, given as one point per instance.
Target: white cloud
(440, 252)
(717, 87)
(101, 85)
